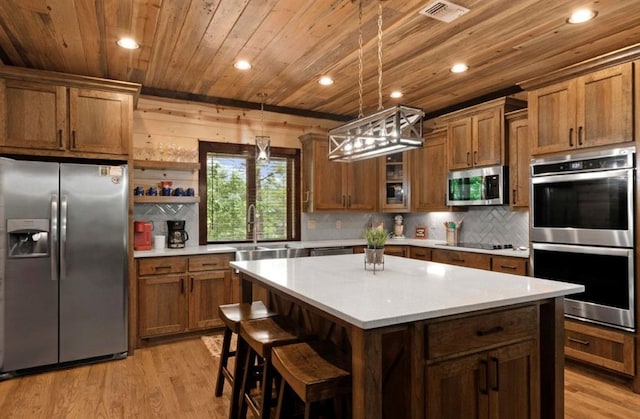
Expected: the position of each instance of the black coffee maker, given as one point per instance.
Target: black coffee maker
(177, 234)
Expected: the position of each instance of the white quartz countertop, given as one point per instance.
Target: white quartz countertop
(230, 248)
(406, 290)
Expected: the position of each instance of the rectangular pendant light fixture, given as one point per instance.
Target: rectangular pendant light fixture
(386, 131)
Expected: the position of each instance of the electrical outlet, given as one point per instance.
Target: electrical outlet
(311, 224)
(338, 224)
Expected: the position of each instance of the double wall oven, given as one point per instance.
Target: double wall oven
(582, 231)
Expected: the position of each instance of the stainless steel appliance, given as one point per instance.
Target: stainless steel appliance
(607, 274)
(63, 263)
(479, 186)
(327, 251)
(582, 231)
(584, 199)
(177, 234)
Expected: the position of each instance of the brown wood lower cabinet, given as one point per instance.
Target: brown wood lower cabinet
(509, 265)
(181, 293)
(605, 347)
(492, 374)
(422, 253)
(395, 250)
(467, 259)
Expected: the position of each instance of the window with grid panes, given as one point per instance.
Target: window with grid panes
(231, 180)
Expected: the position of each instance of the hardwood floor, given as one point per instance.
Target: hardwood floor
(176, 380)
(589, 393)
(173, 380)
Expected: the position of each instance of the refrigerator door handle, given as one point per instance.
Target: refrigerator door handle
(54, 237)
(63, 237)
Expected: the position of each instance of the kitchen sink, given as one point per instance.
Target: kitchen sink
(276, 251)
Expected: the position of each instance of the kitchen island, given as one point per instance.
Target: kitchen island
(409, 326)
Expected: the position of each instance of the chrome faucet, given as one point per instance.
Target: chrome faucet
(252, 216)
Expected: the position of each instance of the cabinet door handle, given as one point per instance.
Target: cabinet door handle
(508, 267)
(181, 285)
(475, 157)
(468, 155)
(581, 342)
(483, 385)
(570, 137)
(307, 195)
(514, 197)
(491, 331)
(344, 202)
(349, 202)
(73, 139)
(495, 385)
(191, 284)
(60, 138)
(580, 132)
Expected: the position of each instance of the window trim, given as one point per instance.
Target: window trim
(248, 150)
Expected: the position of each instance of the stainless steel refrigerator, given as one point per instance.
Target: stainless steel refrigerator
(63, 263)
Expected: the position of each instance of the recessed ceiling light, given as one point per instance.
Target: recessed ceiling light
(582, 15)
(242, 65)
(325, 81)
(128, 43)
(396, 94)
(459, 68)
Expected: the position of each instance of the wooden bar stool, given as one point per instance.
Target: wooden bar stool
(316, 372)
(232, 315)
(261, 336)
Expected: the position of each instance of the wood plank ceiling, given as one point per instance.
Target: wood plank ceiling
(189, 46)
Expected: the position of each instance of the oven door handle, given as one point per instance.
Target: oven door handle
(572, 177)
(592, 250)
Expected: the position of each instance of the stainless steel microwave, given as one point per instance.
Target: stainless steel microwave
(478, 186)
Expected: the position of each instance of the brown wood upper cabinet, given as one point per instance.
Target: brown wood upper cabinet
(587, 111)
(395, 175)
(476, 140)
(519, 158)
(429, 174)
(55, 114)
(336, 187)
(476, 135)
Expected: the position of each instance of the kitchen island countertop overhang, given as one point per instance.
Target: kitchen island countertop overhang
(406, 290)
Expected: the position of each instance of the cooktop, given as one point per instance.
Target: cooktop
(484, 246)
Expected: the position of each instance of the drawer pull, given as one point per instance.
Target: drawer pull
(508, 267)
(457, 260)
(491, 331)
(162, 267)
(495, 386)
(581, 342)
(210, 264)
(484, 366)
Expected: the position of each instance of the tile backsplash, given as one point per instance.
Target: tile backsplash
(487, 224)
(490, 224)
(159, 214)
(323, 226)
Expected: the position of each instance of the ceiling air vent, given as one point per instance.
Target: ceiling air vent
(444, 11)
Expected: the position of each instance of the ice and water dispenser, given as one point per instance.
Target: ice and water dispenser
(28, 237)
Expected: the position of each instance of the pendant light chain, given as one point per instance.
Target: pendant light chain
(379, 55)
(262, 96)
(360, 83)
